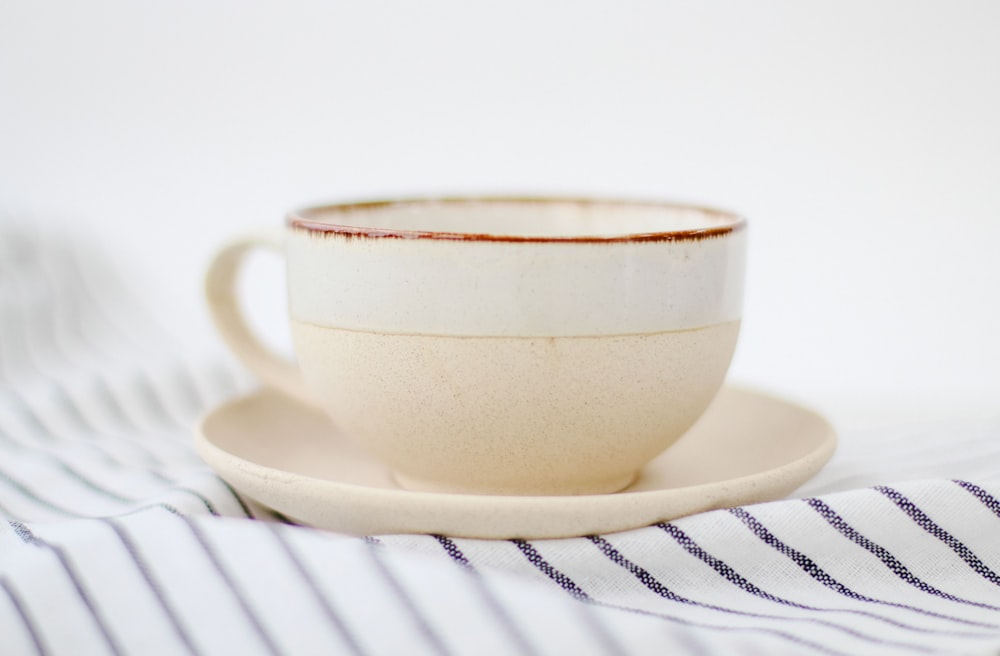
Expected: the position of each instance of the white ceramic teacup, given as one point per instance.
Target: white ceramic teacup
(502, 345)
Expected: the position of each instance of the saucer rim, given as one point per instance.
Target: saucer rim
(729, 492)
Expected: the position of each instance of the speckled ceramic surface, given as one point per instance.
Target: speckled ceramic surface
(506, 346)
(747, 448)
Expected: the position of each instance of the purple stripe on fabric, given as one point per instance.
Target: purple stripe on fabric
(27, 536)
(145, 570)
(883, 554)
(22, 612)
(452, 550)
(503, 618)
(728, 573)
(543, 566)
(267, 642)
(985, 497)
(318, 595)
(29, 494)
(653, 584)
(71, 472)
(239, 500)
(816, 572)
(406, 601)
(926, 523)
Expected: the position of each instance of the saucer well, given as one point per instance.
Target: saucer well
(747, 448)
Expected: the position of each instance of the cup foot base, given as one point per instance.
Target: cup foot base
(546, 489)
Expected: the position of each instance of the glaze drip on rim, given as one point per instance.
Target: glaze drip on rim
(362, 219)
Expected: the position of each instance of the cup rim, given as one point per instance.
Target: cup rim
(304, 219)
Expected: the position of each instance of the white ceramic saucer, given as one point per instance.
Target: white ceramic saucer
(746, 449)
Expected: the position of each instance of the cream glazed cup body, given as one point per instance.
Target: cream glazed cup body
(505, 346)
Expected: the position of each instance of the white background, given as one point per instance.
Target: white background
(861, 139)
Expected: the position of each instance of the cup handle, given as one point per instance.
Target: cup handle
(220, 292)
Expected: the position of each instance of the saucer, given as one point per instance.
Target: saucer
(747, 448)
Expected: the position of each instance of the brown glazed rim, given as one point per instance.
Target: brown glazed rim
(302, 220)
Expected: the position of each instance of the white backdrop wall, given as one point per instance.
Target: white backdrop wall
(861, 139)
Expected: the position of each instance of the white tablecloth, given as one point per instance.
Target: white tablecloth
(119, 540)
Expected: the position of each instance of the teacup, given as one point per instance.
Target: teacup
(502, 345)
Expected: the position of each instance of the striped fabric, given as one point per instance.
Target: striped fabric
(117, 539)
